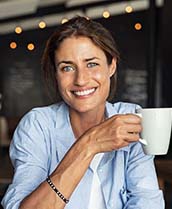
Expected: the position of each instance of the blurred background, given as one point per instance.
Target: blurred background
(143, 32)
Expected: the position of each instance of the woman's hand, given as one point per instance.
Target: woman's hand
(114, 133)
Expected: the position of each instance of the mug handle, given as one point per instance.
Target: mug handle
(142, 141)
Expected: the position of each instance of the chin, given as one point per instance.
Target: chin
(82, 109)
(87, 107)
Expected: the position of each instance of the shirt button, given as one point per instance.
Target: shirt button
(100, 170)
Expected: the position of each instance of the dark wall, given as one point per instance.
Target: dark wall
(22, 80)
(167, 54)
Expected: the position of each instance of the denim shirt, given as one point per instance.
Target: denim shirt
(42, 138)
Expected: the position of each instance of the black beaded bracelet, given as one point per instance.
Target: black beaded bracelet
(56, 190)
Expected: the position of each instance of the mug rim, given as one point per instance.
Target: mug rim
(154, 108)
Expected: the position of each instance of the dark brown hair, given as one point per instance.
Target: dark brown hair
(78, 26)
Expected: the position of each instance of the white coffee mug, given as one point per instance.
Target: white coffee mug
(156, 132)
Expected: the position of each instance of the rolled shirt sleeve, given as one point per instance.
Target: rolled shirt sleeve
(29, 157)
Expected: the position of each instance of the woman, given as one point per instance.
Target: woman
(87, 147)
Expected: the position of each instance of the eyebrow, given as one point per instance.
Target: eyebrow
(64, 62)
(92, 58)
(70, 62)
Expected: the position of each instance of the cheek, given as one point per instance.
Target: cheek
(102, 76)
(60, 82)
(64, 83)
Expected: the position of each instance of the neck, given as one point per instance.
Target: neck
(81, 122)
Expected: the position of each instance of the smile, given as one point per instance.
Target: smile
(84, 92)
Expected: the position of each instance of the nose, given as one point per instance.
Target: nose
(81, 77)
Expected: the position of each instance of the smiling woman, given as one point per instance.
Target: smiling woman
(97, 34)
(83, 74)
(82, 151)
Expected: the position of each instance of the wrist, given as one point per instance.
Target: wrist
(88, 145)
(73, 166)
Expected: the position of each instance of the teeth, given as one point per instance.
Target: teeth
(85, 92)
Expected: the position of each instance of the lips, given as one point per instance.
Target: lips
(84, 92)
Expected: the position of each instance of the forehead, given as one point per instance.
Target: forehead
(78, 45)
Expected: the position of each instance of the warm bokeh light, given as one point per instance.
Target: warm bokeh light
(13, 45)
(128, 9)
(18, 30)
(64, 20)
(106, 14)
(138, 26)
(42, 24)
(30, 46)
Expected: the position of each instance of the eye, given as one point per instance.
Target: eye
(91, 64)
(67, 68)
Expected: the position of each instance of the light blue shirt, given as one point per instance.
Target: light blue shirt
(128, 178)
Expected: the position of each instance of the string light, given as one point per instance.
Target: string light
(64, 20)
(42, 24)
(30, 46)
(128, 9)
(138, 26)
(106, 14)
(18, 30)
(13, 45)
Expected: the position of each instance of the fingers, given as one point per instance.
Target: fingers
(110, 145)
(132, 129)
(132, 137)
(130, 118)
(116, 142)
(116, 132)
(124, 124)
(129, 128)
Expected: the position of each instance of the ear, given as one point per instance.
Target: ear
(112, 67)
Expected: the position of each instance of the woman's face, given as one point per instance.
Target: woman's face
(83, 74)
